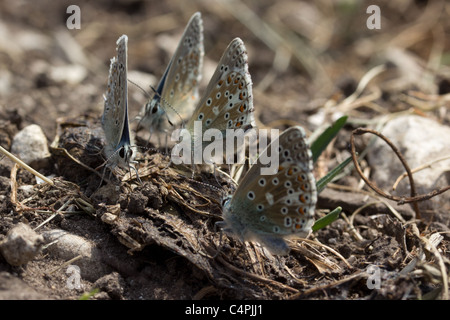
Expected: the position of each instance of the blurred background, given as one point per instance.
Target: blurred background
(305, 58)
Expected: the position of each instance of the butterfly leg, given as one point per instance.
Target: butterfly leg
(136, 170)
(103, 176)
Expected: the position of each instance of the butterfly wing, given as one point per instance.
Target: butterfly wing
(270, 207)
(178, 86)
(115, 107)
(184, 75)
(227, 102)
(115, 113)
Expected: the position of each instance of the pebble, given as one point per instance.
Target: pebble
(71, 74)
(67, 246)
(420, 140)
(27, 190)
(21, 245)
(30, 145)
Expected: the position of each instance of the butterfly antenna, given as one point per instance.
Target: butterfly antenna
(148, 97)
(165, 102)
(219, 190)
(151, 149)
(142, 89)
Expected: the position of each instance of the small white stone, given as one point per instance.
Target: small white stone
(30, 145)
(67, 246)
(72, 74)
(420, 140)
(27, 190)
(21, 245)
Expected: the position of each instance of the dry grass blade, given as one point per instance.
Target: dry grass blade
(20, 207)
(204, 292)
(305, 293)
(24, 165)
(429, 245)
(370, 194)
(256, 277)
(65, 264)
(422, 167)
(372, 73)
(337, 254)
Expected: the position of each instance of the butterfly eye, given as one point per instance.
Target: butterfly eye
(122, 152)
(225, 201)
(154, 109)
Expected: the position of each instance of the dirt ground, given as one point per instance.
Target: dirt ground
(157, 240)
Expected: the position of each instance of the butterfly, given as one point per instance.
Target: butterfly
(178, 87)
(227, 103)
(118, 149)
(270, 208)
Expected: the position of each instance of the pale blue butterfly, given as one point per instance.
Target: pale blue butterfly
(118, 149)
(270, 208)
(228, 101)
(177, 90)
